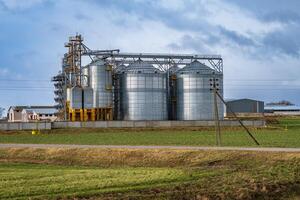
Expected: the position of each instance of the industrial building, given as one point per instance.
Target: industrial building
(291, 110)
(245, 108)
(137, 86)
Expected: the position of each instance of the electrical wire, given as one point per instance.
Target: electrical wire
(229, 85)
(24, 80)
(49, 80)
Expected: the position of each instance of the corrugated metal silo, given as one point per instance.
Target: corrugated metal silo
(195, 100)
(78, 95)
(143, 92)
(76, 98)
(88, 97)
(100, 80)
(85, 76)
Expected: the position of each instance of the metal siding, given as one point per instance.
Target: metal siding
(194, 96)
(143, 96)
(88, 98)
(261, 107)
(99, 79)
(85, 77)
(142, 93)
(76, 98)
(246, 106)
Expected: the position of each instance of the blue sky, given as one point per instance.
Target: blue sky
(258, 39)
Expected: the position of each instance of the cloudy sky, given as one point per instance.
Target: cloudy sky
(258, 40)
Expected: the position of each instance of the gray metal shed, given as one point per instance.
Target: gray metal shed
(245, 106)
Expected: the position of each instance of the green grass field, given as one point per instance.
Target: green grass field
(45, 181)
(284, 133)
(268, 138)
(63, 173)
(117, 174)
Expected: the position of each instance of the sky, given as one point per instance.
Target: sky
(258, 40)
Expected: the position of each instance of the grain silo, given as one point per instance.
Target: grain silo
(126, 86)
(100, 80)
(195, 100)
(143, 92)
(80, 101)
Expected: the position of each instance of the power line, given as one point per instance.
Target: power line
(225, 85)
(24, 80)
(49, 80)
(16, 90)
(265, 89)
(26, 87)
(226, 88)
(261, 80)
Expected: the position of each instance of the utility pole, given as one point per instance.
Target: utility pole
(240, 121)
(215, 89)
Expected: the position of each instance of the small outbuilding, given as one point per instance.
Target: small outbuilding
(31, 113)
(14, 113)
(245, 108)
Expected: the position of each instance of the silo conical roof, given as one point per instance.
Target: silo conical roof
(140, 66)
(196, 66)
(97, 62)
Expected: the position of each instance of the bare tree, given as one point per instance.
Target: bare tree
(280, 103)
(2, 110)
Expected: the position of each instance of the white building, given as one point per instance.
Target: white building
(282, 110)
(15, 113)
(31, 113)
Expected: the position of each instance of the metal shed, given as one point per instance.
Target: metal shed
(245, 107)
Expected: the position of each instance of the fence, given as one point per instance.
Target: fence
(123, 124)
(25, 126)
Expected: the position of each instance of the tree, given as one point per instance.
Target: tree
(280, 103)
(2, 112)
